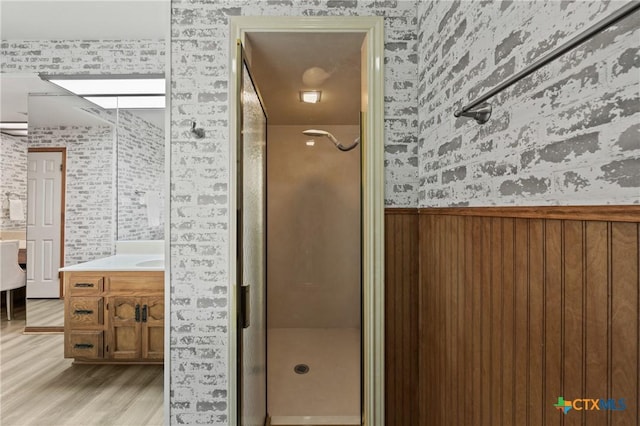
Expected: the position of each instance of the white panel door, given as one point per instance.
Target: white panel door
(44, 199)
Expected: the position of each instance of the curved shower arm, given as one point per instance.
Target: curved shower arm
(350, 147)
(340, 146)
(315, 132)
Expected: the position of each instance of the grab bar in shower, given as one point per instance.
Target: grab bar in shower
(483, 112)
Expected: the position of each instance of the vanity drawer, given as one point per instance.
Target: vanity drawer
(85, 311)
(85, 284)
(84, 344)
(136, 283)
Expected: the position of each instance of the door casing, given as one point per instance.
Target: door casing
(372, 198)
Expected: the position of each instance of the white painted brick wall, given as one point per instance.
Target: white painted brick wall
(140, 168)
(13, 179)
(82, 56)
(568, 134)
(96, 57)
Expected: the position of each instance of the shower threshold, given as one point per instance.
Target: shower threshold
(315, 420)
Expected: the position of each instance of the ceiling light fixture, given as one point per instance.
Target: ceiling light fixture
(13, 125)
(135, 91)
(14, 128)
(310, 96)
(127, 102)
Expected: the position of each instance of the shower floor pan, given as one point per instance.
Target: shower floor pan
(329, 393)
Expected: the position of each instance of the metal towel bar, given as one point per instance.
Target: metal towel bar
(481, 115)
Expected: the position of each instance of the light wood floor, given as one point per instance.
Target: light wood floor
(39, 387)
(45, 313)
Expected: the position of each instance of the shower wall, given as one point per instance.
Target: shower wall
(313, 240)
(313, 276)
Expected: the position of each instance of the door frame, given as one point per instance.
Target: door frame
(372, 198)
(63, 209)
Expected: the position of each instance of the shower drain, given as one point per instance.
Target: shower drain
(301, 369)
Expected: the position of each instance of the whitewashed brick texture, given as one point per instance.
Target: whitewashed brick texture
(566, 135)
(13, 179)
(140, 168)
(99, 57)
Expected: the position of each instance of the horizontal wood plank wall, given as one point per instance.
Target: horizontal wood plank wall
(517, 311)
(401, 313)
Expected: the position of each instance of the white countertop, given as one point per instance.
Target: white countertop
(121, 262)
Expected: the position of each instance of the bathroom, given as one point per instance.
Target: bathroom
(564, 137)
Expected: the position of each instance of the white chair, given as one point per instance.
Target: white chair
(12, 276)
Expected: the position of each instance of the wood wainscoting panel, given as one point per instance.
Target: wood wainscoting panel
(515, 312)
(401, 317)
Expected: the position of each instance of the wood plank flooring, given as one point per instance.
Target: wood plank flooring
(45, 313)
(39, 387)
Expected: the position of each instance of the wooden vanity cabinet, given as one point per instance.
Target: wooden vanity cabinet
(114, 317)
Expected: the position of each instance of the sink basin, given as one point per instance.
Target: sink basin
(150, 263)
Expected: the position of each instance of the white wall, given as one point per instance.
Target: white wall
(13, 179)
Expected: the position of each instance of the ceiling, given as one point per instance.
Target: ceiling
(101, 19)
(278, 64)
(14, 94)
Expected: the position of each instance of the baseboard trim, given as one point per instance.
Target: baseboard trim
(43, 330)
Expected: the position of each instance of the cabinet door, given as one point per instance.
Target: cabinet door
(153, 328)
(124, 327)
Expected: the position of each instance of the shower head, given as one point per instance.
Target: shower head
(318, 133)
(314, 132)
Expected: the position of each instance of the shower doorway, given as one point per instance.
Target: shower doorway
(308, 341)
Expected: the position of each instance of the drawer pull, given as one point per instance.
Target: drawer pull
(84, 285)
(83, 346)
(83, 312)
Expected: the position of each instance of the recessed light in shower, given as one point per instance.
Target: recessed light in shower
(310, 142)
(310, 96)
